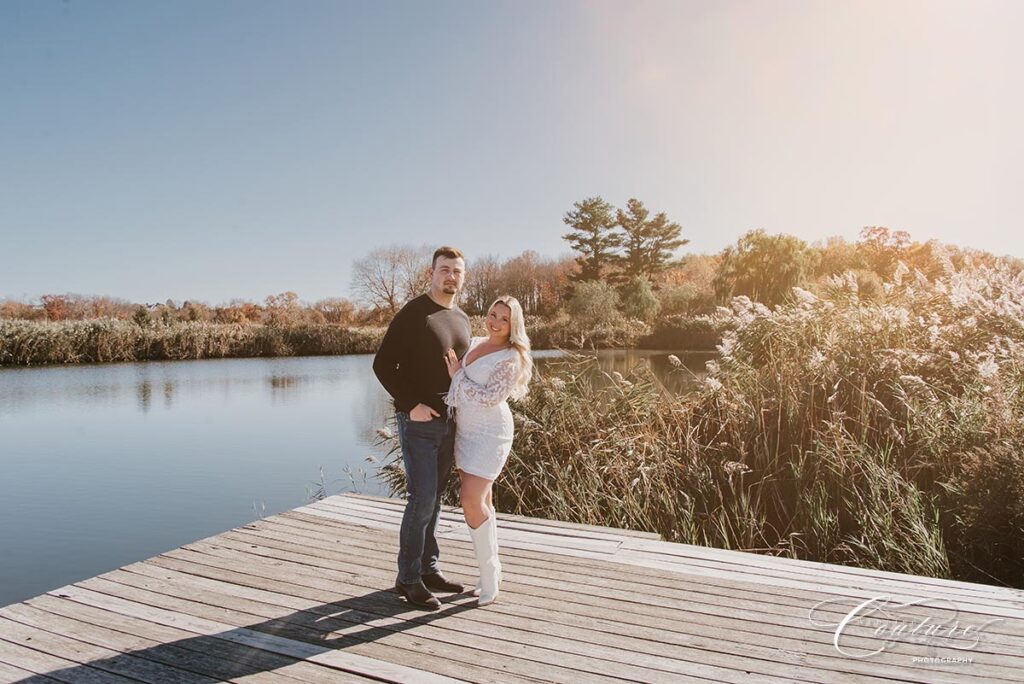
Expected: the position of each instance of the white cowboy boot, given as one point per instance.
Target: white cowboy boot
(494, 543)
(484, 547)
(497, 560)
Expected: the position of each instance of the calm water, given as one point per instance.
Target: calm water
(109, 464)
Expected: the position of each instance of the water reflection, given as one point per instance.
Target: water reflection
(145, 394)
(675, 379)
(284, 381)
(27, 389)
(287, 388)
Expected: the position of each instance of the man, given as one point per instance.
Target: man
(410, 364)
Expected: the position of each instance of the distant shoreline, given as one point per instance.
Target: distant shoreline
(32, 343)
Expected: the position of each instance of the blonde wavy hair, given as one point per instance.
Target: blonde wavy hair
(519, 341)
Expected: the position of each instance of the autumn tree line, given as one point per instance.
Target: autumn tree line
(624, 266)
(276, 310)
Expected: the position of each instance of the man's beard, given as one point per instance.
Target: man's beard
(450, 289)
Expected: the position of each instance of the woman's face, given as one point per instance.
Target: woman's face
(498, 321)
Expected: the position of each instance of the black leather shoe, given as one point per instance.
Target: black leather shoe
(418, 595)
(435, 581)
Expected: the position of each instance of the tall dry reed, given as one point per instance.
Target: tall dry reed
(885, 434)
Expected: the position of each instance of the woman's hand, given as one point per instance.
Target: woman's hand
(453, 363)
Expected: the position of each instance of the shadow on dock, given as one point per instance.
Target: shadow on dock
(242, 651)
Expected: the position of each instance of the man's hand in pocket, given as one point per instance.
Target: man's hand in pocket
(421, 413)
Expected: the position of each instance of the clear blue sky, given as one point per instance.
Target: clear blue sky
(211, 150)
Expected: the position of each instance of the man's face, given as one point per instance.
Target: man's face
(447, 275)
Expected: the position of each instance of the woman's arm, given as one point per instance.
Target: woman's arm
(497, 389)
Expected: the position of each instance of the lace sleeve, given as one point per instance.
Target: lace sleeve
(497, 389)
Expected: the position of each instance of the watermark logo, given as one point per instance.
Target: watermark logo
(885, 622)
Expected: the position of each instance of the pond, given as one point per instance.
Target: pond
(105, 465)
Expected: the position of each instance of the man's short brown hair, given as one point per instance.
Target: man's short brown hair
(449, 252)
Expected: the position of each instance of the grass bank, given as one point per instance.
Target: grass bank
(106, 340)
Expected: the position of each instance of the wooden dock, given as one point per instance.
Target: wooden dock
(306, 596)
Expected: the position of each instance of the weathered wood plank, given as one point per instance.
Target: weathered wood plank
(10, 673)
(291, 573)
(311, 533)
(1010, 644)
(966, 590)
(543, 622)
(567, 580)
(533, 522)
(686, 550)
(393, 520)
(454, 518)
(840, 587)
(305, 596)
(777, 653)
(255, 658)
(339, 633)
(862, 589)
(753, 563)
(97, 657)
(604, 552)
(345, 660)
(223, 667)
(379, 611)
(56, 668)
(652, 542)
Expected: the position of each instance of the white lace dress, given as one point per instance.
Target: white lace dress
(483, 420)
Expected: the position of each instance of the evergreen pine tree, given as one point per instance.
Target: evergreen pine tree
(593, 236)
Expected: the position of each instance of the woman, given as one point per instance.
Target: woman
(493, 369)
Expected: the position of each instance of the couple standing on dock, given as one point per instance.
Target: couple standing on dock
(450, 391)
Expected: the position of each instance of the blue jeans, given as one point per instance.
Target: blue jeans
(428, 453)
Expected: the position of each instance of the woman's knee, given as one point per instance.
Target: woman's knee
(471, 500)
(473, 495)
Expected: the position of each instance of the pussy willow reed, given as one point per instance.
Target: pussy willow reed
(885, 434)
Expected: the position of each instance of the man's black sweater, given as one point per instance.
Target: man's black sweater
(410, 362)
